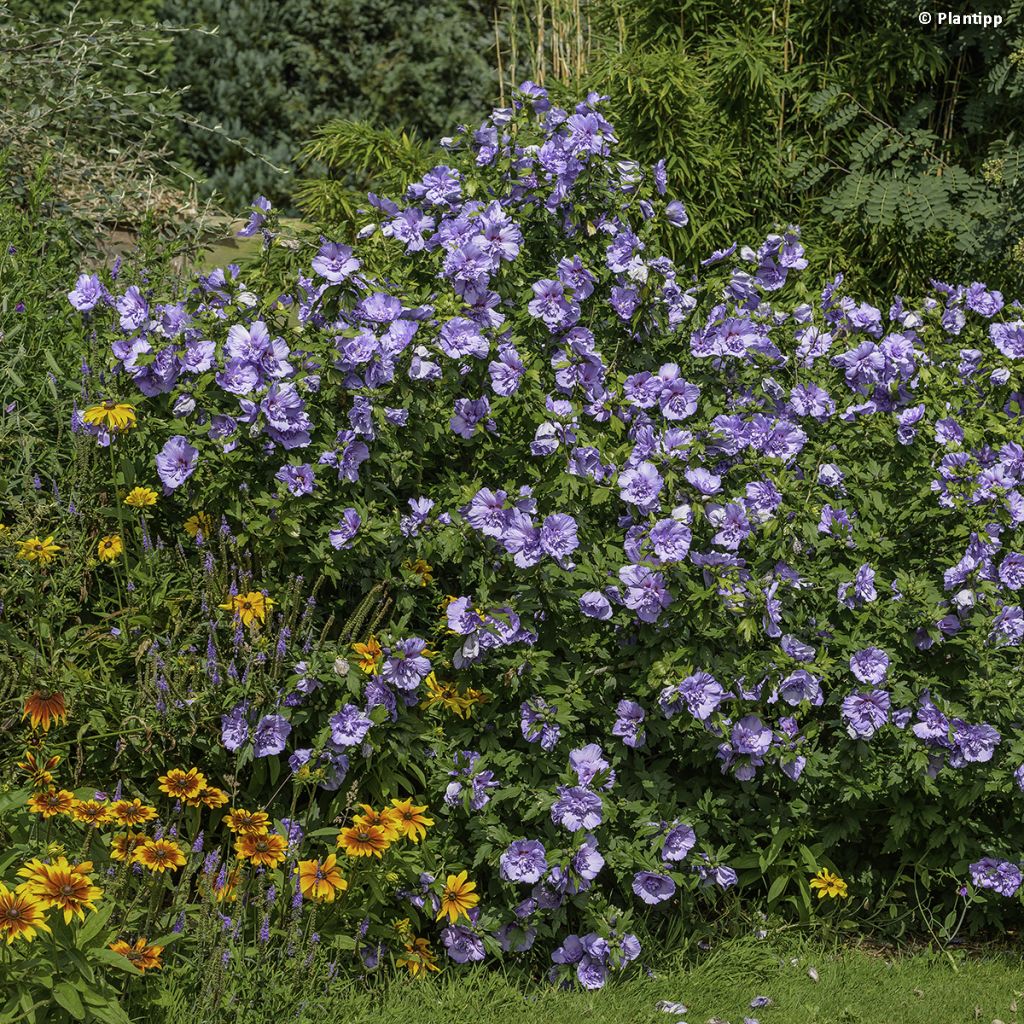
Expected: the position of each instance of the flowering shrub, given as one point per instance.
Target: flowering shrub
(643, 586)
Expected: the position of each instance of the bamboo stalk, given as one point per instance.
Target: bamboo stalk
(514, 75)
(497, 50)
(539, 49)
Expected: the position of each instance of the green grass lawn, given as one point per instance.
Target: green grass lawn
(854, 986)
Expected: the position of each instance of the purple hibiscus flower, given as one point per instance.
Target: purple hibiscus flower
(865, 712)
(870, 666)
(558, 538)
(176, 462)
(297, 479)
(1000, 876)
(460, 338)
(653, 888)
(751, 736)
(587, 861)
(588, 762)
(270, 735)
(468, 413)
(407, 667)
(463, 945)
(87, 293)
(680, 840)
(670, 540)
(235, 727)
(701, 693)
(645, 592)
(595, 605)
(524, 861)
(538, 724)
(335, 262)
(641, 486)
(349, 726)
(800, 686)
(629, 724)
(576, 808)
(344, 533)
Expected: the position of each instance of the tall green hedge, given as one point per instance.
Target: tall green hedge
(271, 73)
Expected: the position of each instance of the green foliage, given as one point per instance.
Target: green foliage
(81, 94)
(354, 151)
(894, 146)
(416, 67)
(151, 660)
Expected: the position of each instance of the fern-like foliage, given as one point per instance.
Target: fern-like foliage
(893, 195)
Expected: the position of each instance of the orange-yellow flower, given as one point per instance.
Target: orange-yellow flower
(50, 802)
(64, 886)
(386, 818)
(159, 855)
(420, 568)
(44, 707)
(247, 823)
(109, 547)
(141, 954)
(39, 772)
(21, 914)
(227, 890)
(447, 695)
(141, 497)
(363, 841)
(265, 850)
(251, 608)
(829, 885)
(41, 551)
(199, 523)
(321, 881)
(457, 897)
(123, 847)
(131, 812)
(411, 821)
(91, 812)
(116, 416)
(32, 870)
(369, 653)
(418, 958)
(183, 784)
(211, 797)
(471, 697)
